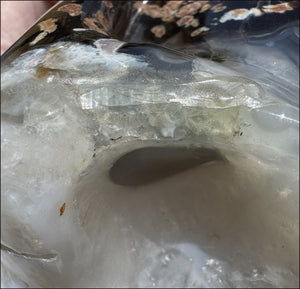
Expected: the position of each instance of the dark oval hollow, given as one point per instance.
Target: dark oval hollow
(151, 164)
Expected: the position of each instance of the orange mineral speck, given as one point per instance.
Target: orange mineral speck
(71, 9)
(62, 209)
(48, 25)
(277, 8)
(158, 30)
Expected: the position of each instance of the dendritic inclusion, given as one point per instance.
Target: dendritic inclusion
(71, 111)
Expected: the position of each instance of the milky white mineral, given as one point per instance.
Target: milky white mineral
(141, 167)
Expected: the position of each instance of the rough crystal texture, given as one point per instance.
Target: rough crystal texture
(70, 111)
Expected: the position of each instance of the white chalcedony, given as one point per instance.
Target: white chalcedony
(85, 204)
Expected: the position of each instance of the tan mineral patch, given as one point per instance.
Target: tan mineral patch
(42, 71)
(187, 21)
(48, 25)
(256, 12)
(91, 23)
(167, 14)
(153, 11)
(205, 7)
(199, 31)
(278, 8)
(236, 14)
(189, 9)
(38, 38)
(218, 8)
(71, 9)
(102, 20)
(158, 30)
(174, 5)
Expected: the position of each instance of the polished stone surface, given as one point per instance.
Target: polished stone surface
(140, 149)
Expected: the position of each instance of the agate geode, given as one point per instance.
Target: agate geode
(152, 144)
